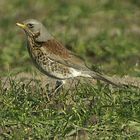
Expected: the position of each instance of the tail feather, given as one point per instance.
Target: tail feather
(101, 77)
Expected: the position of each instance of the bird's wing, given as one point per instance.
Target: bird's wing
(56, 51)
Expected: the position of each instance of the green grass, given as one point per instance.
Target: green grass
(106, 33)
(97, 112)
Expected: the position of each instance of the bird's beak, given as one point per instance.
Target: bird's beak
(25, 28)
(21, 25)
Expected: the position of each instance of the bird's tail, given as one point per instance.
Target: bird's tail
(101, 77)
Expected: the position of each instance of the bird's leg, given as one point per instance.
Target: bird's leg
(58, 86)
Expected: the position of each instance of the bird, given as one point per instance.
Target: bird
(52, 58)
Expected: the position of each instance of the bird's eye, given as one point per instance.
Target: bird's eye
(30, 25)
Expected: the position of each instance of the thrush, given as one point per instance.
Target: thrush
(52, 58)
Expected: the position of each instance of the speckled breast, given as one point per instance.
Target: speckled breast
(49, 67)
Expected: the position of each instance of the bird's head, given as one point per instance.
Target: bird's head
(35, 29)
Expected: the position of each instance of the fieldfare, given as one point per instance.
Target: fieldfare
(52, 58)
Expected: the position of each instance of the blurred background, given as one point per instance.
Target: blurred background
(105, 32)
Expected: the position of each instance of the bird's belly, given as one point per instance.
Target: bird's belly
(53, 69)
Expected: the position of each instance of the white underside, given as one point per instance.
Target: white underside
(76, 73)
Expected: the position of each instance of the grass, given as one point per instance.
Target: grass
(97, 112)
(106, 33)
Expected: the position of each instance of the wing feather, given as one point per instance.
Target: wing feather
(57, 52)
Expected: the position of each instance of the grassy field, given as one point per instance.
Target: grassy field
(105, 33)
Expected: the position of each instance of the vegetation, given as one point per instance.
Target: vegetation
(106, 33)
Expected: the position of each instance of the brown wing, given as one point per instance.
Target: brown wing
(59, 53)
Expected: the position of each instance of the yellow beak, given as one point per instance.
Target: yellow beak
(21, 25)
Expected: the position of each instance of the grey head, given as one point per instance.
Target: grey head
(32, 26)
